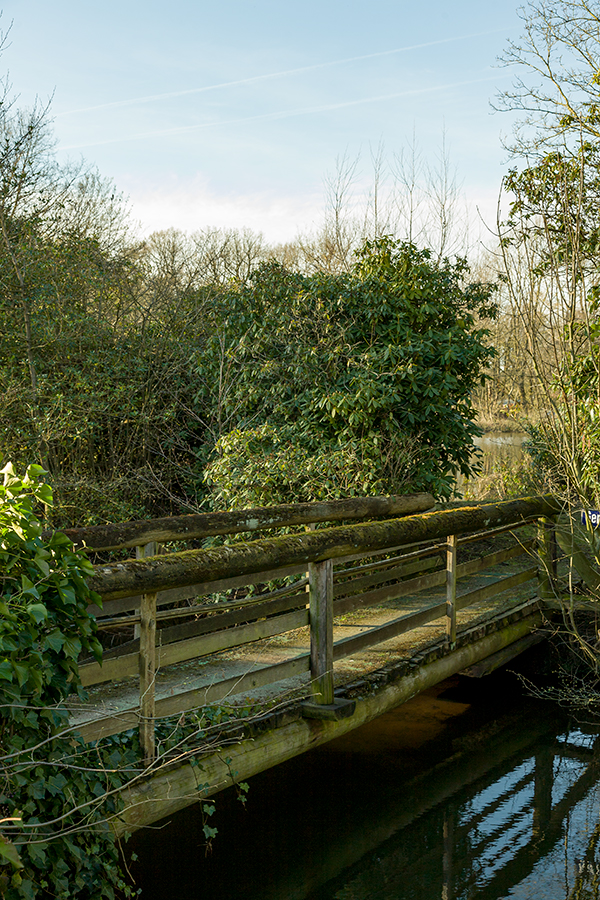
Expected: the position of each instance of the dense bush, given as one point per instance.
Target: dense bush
(55, 793)
(364, 379)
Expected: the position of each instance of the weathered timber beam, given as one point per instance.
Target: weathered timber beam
(171, 789)
(193, 566)
(187, 528)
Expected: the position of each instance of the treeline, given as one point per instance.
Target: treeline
(213, 369)
(180, 372)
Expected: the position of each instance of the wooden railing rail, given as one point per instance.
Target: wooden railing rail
(333, 592)
(114, 581)
(202, 525)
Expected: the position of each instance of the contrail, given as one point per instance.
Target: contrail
(281, 114)
(256, 78)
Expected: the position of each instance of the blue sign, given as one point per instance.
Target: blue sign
(590, 517)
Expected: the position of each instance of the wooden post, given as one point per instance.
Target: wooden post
(542, 796)
(321, 630)
(448, 853)
(547, 558)
(147, 676)
(310, 527)
(141, 552)
(451, 548)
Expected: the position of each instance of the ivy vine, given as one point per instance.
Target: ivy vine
(57, 794)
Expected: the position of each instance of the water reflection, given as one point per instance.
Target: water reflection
(459, 794)
(500, 452)
(526, 829)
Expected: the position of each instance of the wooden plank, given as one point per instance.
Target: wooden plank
(176, 595)
(95, 729)
(355, 644)
(247, 558)
(338, 574)
(200, 525)
(123, 666)
(358, 584)
(147, 672)
(389, 592)
(247, 602)
(219, 622)
(213, 693)
(494, 532)
(496, 587)
(320, 576)
(198, 697)
(451, 574)
(473, 566)
(468, 568)
(383, 551)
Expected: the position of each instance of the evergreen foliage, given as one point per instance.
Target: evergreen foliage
(55, 793)
(360, 380)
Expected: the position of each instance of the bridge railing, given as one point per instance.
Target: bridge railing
(349, 567)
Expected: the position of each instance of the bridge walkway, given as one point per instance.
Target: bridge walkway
(109, 699)
(303, 636)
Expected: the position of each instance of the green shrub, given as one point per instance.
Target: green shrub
(353, 372)
(263, 466)
(55, 792)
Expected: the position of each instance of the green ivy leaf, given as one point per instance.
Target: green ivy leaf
(38, 612)
(55, 640)
(9, 853)
(6, 670)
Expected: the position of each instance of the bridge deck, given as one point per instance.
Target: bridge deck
(112, 698)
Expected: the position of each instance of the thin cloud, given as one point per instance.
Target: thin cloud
(280, 114)
(257, 78)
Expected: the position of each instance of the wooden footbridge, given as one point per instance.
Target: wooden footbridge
(299, 638)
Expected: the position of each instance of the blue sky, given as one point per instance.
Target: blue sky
(231, 114)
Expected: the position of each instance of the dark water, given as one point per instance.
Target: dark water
(469, 791)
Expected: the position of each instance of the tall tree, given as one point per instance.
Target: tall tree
(550, 235)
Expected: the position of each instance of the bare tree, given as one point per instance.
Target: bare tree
(556, 87)
(407, 198)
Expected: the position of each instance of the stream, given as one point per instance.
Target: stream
(470, 790)
(499, 449)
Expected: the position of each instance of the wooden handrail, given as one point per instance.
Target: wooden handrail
(201, 525)
(131, 577)
(253, 561)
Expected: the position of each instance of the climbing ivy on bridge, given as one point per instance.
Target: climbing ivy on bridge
(55, 792)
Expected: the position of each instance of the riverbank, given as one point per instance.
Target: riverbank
(502, 423)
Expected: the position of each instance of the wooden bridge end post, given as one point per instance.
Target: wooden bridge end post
(451, 565)
(147, 676)
(141, 552)
(547, 558)
(321, 631)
